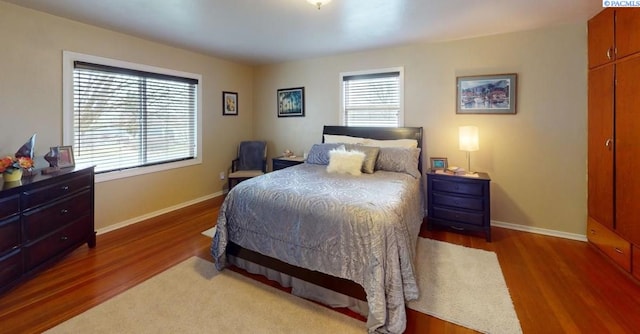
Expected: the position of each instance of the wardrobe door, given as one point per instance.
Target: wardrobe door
(600, 142)
(627, 31)
(601, 34)
(628, 149)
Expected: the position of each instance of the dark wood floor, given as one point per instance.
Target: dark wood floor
(557, 285)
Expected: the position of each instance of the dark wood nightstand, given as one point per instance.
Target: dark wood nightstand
(461, 203)
(282, 162)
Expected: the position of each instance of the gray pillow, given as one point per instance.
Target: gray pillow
(319, 153)
(399, 159)
(370, 156)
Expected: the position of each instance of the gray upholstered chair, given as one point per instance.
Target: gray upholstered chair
(251, 162)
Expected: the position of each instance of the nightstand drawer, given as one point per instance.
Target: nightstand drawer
(471, 218)
(471, 203)
(467, 188)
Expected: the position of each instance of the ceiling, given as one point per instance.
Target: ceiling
(270, 31)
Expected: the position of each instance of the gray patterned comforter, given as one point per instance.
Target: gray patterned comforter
(362, 228)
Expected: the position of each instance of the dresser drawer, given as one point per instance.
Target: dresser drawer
(467, 188)
(9, 206)
(635, 266)
(56, 243)
(42, 195)
(51, 217)
(618, 249)
(9, 234)
(471, 218)
(10, 267)
(471, 203)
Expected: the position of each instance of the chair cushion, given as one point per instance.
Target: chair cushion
(245, 174)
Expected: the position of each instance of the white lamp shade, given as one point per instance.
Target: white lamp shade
(469, 139)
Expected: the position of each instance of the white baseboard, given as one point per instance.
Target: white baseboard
(157, 213)
(543, 231)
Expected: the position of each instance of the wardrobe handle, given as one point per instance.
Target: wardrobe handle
(618, 250)
(607, 143)
(609, 53)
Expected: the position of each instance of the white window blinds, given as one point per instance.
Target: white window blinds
(126, 118)
(372, 99)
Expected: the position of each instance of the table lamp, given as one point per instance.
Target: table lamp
(469, 142)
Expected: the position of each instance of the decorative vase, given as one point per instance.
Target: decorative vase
(16, 175)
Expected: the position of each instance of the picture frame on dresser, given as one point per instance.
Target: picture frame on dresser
(65, 157)
(438, 163)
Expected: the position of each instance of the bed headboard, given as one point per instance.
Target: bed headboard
(380, 133)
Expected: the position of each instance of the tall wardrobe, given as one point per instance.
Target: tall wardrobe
(613, 223)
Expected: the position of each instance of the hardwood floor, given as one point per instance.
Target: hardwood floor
(557, 285)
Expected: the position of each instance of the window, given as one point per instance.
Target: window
(129, 118)
(372, 98)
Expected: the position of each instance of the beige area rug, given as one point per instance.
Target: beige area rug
(192, 297)
(461, 285)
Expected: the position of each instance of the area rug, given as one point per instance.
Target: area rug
(192, 297)
(461, 285)
(464, 286)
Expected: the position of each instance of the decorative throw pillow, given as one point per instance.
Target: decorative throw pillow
(408, 143)
(370, 156)
(319, 153)
(343, 161)
(399, 159)
(334, 139)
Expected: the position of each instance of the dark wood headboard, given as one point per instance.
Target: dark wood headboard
(380, 133)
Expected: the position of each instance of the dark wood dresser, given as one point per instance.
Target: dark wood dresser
(460, 203)
(42, 218)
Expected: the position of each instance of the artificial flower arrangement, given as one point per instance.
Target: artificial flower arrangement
(10, 164)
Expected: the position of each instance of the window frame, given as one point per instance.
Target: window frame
(68, 134)
(399, 69)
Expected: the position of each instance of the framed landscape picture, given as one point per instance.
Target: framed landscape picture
(291, 102)
(486, 94)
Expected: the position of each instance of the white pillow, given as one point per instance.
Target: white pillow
(342, 161)
(408, 143)
(331, 139)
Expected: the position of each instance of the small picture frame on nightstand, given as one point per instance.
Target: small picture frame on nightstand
(438, 163)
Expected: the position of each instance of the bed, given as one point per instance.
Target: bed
(334, 234)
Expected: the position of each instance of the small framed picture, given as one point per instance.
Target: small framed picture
(486, 94)
(229, 103)
(65, 157)
(438, 163)
(291, 102)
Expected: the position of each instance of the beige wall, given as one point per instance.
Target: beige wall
(31, 102)
(537, 158)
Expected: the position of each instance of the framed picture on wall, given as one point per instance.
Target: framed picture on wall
(229, 103)
(291, 102)
(486, 94)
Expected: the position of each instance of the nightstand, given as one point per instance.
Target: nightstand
(282, 162)
(461, 203)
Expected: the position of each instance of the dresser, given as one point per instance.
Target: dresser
(43, 218)
(282, 162)
(459, 203)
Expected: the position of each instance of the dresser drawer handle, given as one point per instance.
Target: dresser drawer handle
(457, 228)
(64, 211)
(64, 238)
(65, 188)
(618, 250)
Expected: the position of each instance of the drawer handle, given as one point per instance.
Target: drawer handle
(64, 238)
(457, 228)
(65, 188)
(618, 250)
(592, 231)
(64, 211)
